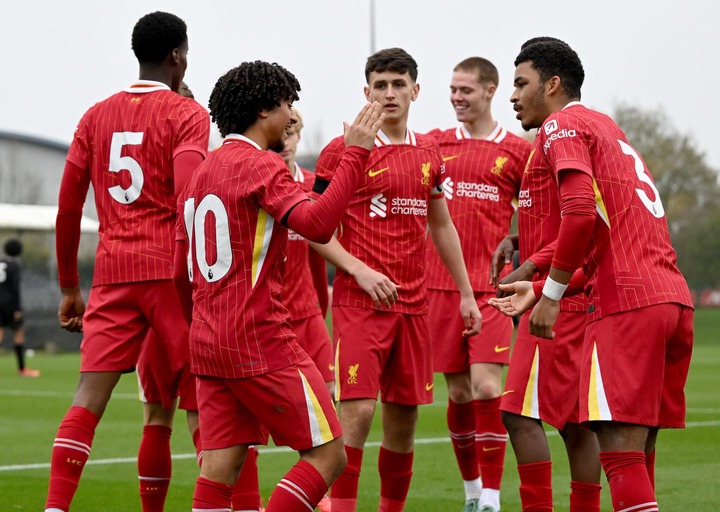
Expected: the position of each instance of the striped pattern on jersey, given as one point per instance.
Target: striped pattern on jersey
(539, 216)
(232, 207)
(385, 224)
(631, 263)
(299, 293)
(481, 184)
(126, 145)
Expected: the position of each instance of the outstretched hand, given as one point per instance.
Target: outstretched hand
(524, 272)
(521, 300)
(363, 130)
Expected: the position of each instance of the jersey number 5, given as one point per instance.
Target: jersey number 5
(195, 229)
(126, 163)
(655, 206)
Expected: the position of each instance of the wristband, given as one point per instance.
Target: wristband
(553, 290)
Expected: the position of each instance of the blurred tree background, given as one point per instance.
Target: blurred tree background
(688, 188)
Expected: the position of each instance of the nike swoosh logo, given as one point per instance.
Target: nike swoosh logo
(448, 158)
(508, 392)
(428, 387)
(501, 349)
(486, 449)
(461, 446)
(373, 173)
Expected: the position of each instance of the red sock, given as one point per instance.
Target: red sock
(70, 452)
(461, 423)
(343, 496)
(211, 495)
(246, 493)
(629, 482)
(300, 490)
(491, 441)
(395, 474)
(154, 467)
(198, 446)
(536, 486)
(650, 464)
(584, 497)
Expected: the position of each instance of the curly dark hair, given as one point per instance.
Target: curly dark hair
(13, 247)
(391, 59)
(540, 39)
(555, 58)
(243, 92)
(156, 35)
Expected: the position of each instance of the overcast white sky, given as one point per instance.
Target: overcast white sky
(60, 57)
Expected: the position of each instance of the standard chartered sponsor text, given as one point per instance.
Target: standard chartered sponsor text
(524, 199)
(408, 206)
(477, 191)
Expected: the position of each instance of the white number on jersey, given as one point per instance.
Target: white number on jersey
(3, 271)
(656, 206)
(195, 229)
(119, 163)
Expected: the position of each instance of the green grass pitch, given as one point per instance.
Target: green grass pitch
(688, 461)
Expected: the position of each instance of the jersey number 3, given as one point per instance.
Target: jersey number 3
(655, 206)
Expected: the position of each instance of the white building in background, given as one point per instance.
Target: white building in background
(30, 174)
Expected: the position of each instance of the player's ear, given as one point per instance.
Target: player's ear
(491, 88)
(553, 85)
(415, 92)
(175, 56)
(366, 90)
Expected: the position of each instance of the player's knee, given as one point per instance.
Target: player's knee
(486, 389)
(460, 394)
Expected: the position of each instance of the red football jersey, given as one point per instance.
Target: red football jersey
(539, 216)
(481, 185)
(299, 294)
(385, 224)
(631, 263)
(231, 211)
(126, 145)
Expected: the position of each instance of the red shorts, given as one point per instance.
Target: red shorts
(635, 365)
(543, 380)
(291, 404)
(117, 320)
(452, 352)
(385, 352)
(313, 337)
(158, 382)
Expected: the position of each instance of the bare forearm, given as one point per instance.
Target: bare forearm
(334, 253)
(447, 243)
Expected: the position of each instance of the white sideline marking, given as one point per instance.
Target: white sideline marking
(285, 449)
